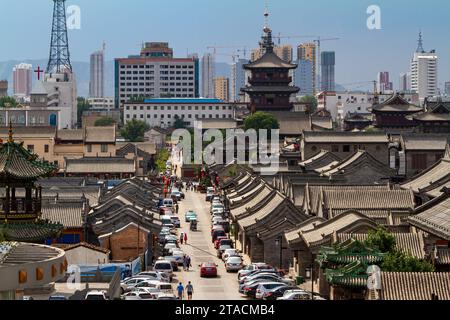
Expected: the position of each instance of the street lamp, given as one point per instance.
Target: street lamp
(279, 242)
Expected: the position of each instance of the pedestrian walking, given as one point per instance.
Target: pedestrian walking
(181, 238)
(176, 208)
(180, 290)
(188, 262)
(185, 263)
(189, 290)
(185, 237)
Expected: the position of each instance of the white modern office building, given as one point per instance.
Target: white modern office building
(97, 82)
(424, 73)
(164, 112)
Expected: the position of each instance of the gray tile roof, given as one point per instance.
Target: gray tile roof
(100, 165)
(69, 213)
(100, 134)
(414, 285)
(411, 142)
(437, 172)
(345, 137)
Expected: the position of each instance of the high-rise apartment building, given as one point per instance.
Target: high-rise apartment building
(285, 52)
(303, 77)
(383, 83)
(22, 80)
(447, 88)
(208, 72)
(308, 51)
(3, 88)
(155, 73)
(405, 82)
(424, 74)
(97, 83)
(328, 61)
(238, 79)
(222, 88)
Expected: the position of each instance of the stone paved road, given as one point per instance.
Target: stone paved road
(201, 249)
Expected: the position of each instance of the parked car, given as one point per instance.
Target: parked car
(252, 267)
(168, 248)
(277, 292)
(208, 269)
(95, 295)
(266, 276)
(218, 233)
(129, 283)
(299, 295)
(222, 249)
(230, 253)
(165, 267)
(55, 297)
(138, 295)
(189, 215)
(264, 287)
(176, 195)
(217, 207)
(167, 296)
(168, 203)
(155, 275)
(178, 255)
(176, 221)
(250, 288)
(233, 263)
(217, 242)
(172, 260)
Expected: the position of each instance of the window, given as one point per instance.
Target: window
(334, 148)
(30, 147)
(46, 148)
(104, 148)
(346, 148)
(89, 148)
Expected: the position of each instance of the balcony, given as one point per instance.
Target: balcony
(20, 208)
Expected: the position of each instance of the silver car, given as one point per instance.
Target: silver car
(233, 264)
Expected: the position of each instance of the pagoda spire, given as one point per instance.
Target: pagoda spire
(420, 43)
(267, 41)
(10, 133)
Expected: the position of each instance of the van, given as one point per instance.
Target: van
(168, 203)
(165, 267)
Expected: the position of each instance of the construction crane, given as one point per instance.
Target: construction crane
(279, 37)
(226, 47)
(233, 56)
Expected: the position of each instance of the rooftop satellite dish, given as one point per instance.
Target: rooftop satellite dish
(374, 280)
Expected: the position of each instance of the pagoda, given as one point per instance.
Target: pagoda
(269, 85)
(20, 198)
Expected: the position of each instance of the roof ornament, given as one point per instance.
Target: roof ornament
(10, 133)
(267, 43)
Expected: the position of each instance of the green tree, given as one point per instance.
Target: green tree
(179, 123)
(134, 130)
(161, 159)
(2, 237)
(311, 101)
(381, 239)
(261, 120)
(398, 261)
(8, 102)
(82, 106)
(104, 122)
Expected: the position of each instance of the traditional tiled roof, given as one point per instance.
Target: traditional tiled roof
(344, 137)
(31, 231)
(374, 199)
(294, 234)
(70, 135)
(262, 212)
(293, 123)
(434, 216)
(86, 245)
(439, 112)
(412, 243)
(251, 202)
(324, 123)
(361, 158)
(145, 151)
(18, 163)
(443, 256)
(270, 60)
(396, 104)
(100, 134)
(439, 171)
(68, 213)
(435, 142)
(100, 165)
(414, 285)
(346, 222)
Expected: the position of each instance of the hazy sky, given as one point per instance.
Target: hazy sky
(192, 25)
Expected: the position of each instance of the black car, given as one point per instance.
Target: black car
(278, 292)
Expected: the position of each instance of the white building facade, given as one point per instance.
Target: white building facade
(97, 69)
(208, 73)
(164, 112)
(424, 74)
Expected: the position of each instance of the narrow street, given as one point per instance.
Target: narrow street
(201, 249)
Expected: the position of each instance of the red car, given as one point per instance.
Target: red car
(217, 242)
(208, 269)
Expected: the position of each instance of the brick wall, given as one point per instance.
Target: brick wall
(123, 244)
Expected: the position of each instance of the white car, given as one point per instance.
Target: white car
(299, 295)
(230, 253)
(95, 295)
(130, 283)
(138, 295)
(154, 274)
(179, 256)
(165, 267)
(233, 263)
(252, 267)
